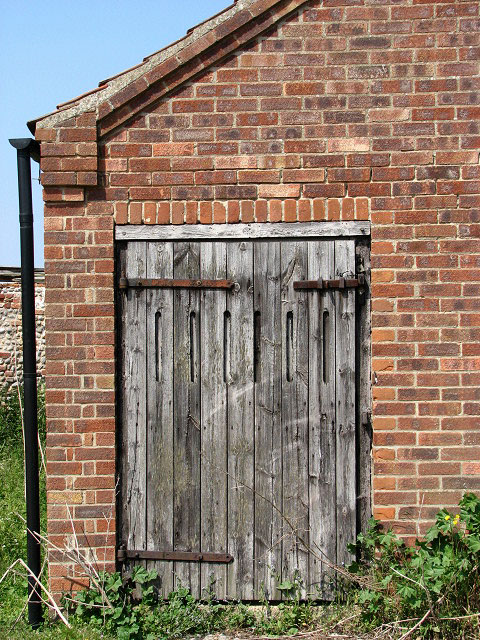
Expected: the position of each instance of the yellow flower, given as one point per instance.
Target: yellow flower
(447, 517)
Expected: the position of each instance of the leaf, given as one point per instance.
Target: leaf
(285, 586)
(386, 581)
(473, 543)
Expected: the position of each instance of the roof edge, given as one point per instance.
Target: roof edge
(141, 79)
(90, 100)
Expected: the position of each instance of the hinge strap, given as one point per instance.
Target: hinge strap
(169, 283)
(179, 556)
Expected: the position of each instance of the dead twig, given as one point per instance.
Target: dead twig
(337, 624)
(471, 615)
(419, 624)
(50, 602)
(28, 599)
(75, 556)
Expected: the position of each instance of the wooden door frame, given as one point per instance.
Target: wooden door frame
(356, 230)
(267, 230)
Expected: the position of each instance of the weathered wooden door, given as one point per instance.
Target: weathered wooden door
(238, 433)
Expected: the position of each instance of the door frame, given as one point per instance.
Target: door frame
(355, 230)
(241, 231)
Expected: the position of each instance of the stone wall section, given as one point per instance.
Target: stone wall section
(11, 328)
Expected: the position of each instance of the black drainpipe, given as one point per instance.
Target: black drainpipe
(27, 148)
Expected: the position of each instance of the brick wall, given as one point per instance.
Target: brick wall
(11, 328)
(80, 399)
(342, 110)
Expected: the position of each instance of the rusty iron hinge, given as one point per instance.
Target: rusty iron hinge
(169, 283)
(179, 556)
(339, 283)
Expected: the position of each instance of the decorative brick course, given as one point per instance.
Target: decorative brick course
(341, 110)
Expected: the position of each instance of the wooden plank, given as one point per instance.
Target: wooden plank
(243, 231)
(322, 490)
(186, 416)
(214, 335)
(160, 411)
(268, 426)
(134, 448)
(345, 400)
(364, 394)
(122, 382)
(294, 322)
(240, 421)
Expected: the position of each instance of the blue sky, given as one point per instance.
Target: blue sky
(54, 50)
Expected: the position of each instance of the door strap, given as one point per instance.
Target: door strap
(168, 283)
(181, 556)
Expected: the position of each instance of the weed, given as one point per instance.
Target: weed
(181, 614)
(434, 586)
(290, 616)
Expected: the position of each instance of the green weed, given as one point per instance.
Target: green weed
(289, 617)
(181, 615)
(438, 579)
(136, 613)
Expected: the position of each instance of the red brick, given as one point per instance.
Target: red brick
(275, 211)
(257, 176)
(205, 212)
(278, 191)
(163, 213)
(304, 88)
(388, 115)
(324, 161)
(290, 211)
(173, 149)
(348, 144)
(349, 175)
(247, 211)
(178, 212)
(324, 190)
(233, 211)
(318, 209)
(261, 211)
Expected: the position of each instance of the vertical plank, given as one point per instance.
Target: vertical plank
(186, 415)
(345, 401)
(160, 411)
(214, 324)
(364, 393)
(123, 383)
(268, 426)
(239, 372)
(134, 443)
(294, 322)
(321, 310)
